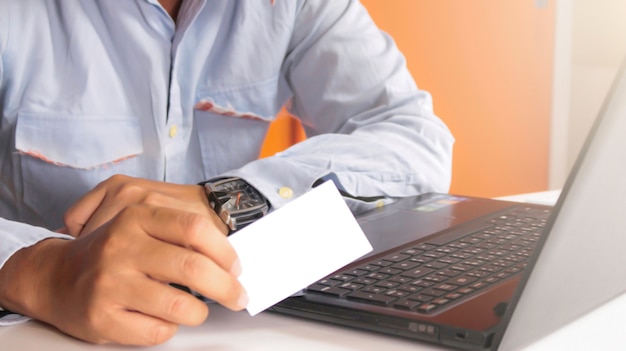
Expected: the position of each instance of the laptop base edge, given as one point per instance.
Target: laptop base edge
(415, 330)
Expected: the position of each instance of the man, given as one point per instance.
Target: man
(114, 111)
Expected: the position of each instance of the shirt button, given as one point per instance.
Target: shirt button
(173, 131)
(285, 192)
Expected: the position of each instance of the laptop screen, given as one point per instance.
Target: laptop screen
(577, 267)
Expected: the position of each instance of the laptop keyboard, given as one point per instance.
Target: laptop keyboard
(428, 277)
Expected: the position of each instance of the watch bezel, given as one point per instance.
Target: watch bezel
(234, 218)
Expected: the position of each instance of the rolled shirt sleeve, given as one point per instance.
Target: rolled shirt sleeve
(368, 125)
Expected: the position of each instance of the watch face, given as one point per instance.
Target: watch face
(237, 202)
(239, 196)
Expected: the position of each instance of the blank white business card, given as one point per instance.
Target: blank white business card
(296, 245)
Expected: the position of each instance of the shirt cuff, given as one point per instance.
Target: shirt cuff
(12, 318)
(13, 237)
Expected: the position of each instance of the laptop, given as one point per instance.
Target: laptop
(482, 274)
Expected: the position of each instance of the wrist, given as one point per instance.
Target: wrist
(26, 280)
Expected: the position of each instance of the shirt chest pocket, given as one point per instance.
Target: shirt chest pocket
(63, 157)
(232, 123)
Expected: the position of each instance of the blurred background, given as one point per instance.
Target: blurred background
(519, 82)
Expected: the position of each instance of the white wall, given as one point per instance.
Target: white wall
(590, 45)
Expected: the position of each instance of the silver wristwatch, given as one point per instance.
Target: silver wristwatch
(235, 201)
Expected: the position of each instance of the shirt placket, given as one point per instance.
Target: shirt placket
(178, 126)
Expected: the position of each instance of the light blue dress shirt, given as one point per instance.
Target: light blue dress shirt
(93, 88)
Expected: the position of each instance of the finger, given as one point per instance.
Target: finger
(168, 263)
(62, 230)
(162, 301)
(205, 277)
(102, 203)
(118, 192)
(135, 328)
(128, 195)
(192, 231)
(80, 212)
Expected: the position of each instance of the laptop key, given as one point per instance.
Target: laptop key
(420, 297)
(410, 288)
(356, 272)
(396, 257)
(436, 265)
(427, 307)
(397, 293)
(450, 272)
(433, 292)
(440, 301)
(364, 281)
(390, 271)
(412, 252)
(382, 263)
(463, 280)
(478, 273)
(329, 282)
(351, 286)
(449, 260)
(329, 290)
(426, 247)
(374, 289)
(369, 297)
(418, 272)
(423, 283)
(343, 277)
(378, 276)
(387, 284)
(421, 259)
(406, 304)
(446, 287)
(400, 279)
(370, 267)
(437, 278)
(404, 265)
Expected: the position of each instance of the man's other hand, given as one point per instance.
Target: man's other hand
(112, 286)
(118, 192)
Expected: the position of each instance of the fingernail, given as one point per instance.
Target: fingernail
(243, 300)
(236, 268)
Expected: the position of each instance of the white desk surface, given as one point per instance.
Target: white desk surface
(232, 331)
(224, 330)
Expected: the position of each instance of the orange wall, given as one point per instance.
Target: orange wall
(284, 131)
(488, 65)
